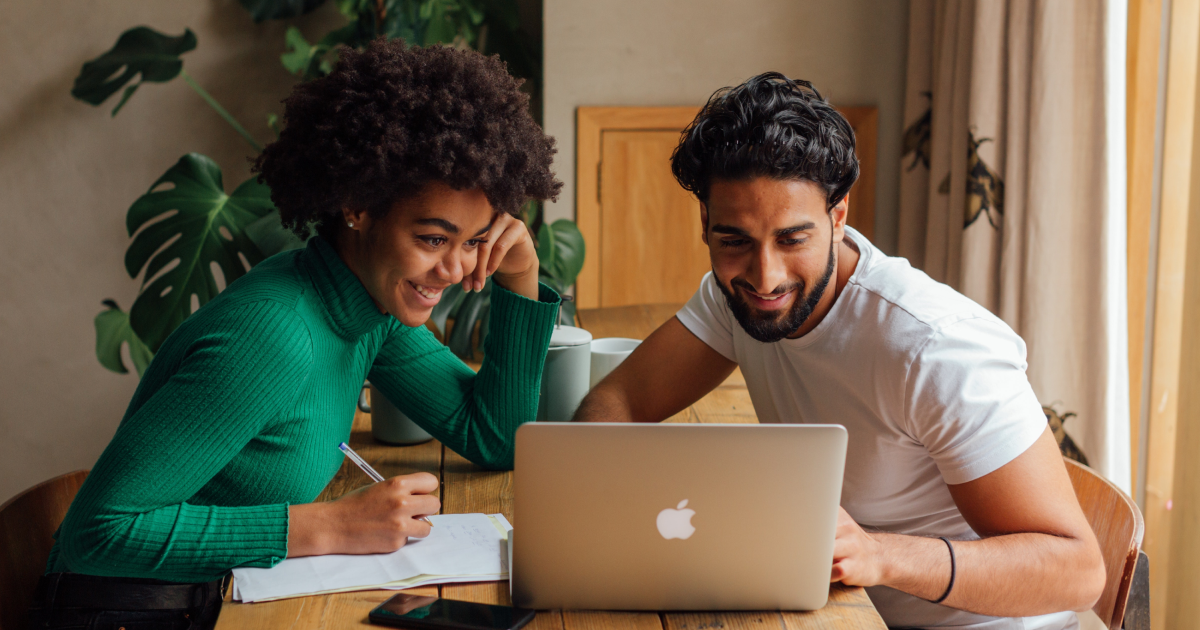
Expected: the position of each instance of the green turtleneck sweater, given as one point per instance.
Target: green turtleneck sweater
(241, 412)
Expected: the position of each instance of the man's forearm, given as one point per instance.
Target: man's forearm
(1015, 575)
(603, 404)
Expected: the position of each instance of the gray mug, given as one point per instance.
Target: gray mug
(565, 374)
(388, 424)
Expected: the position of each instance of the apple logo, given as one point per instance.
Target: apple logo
(676, 523)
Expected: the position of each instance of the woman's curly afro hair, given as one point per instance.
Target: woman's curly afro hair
(390, 119)
(769, 126)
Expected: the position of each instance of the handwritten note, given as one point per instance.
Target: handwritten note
(461, 548)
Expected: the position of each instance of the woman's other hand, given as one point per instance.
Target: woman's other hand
(379, 518)
(510, 255)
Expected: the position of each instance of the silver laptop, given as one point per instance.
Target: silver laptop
(675, 516)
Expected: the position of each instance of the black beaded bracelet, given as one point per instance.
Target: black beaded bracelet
(952, 571)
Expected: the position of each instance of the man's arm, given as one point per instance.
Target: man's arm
(670, 370)
(1038, 554)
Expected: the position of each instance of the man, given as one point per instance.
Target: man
(956, 507)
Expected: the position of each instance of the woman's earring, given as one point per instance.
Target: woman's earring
(349, 224)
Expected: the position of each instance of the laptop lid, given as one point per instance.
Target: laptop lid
(619, 516)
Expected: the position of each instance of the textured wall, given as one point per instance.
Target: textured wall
(68, 173)
(676, 52)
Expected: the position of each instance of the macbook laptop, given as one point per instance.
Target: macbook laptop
(675, 516)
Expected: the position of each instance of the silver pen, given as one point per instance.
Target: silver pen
(362, 464)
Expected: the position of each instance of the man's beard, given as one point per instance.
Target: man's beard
(773, 328)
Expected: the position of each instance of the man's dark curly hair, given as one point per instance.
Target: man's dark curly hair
(769, 126)
(390, 119)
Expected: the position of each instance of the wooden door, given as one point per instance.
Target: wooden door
(650, 234)
(642, 230)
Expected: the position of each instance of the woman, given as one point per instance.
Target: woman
(410, 165)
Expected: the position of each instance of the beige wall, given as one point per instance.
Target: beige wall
(676, 52)
(68, 173)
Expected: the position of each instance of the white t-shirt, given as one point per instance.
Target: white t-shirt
(930, 386)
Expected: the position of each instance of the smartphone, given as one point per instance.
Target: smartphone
(423, 612)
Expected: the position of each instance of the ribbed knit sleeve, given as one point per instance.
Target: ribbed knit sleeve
(131, 517)
(476, 415)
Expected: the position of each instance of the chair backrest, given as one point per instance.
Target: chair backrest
(27, 525)
(1117, 523)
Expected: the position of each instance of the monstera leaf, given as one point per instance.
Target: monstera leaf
(564, 244)
(560, 254)
(140, 50)
(262, 10)
(452, 296)
(191, 224)
(473, 308)
(113, 331)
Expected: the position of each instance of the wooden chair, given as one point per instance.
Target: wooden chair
(1117, 523)
(27, 525)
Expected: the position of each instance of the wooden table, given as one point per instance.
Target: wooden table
(468, 488)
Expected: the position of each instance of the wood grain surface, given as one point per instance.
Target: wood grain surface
(468, 488)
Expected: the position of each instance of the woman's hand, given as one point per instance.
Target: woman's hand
(510, 254)
(376, 519)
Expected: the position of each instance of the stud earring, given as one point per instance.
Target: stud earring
(350, 224)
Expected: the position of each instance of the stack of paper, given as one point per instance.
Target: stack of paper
(461, 548)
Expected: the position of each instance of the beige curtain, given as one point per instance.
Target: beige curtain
(1012, 190)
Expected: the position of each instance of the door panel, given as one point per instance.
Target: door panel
(650, 238)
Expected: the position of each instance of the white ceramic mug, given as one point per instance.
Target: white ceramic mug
(607, 354)
(565, 375)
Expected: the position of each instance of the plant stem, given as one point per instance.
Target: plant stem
(221, 110)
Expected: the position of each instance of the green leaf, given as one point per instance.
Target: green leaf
(139, 51)
(531, 212)
(442, 27)
(545, 247)
(271, 237)
(194, 225)
(300, 52)
(475, 13)
(469, 312)
(427, 9)
(273, 123)
(522, 51)
(445, 307)
(569, 251)
(351, 8)
(112, 331)
(262, 10)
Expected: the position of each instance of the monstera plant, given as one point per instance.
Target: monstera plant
(187, 224)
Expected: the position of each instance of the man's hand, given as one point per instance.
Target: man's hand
(1033, 534)
(379, 518)
(857, 556)
(918, 566)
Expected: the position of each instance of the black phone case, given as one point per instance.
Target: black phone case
(394, 621)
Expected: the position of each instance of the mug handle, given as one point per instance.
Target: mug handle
(363, 406)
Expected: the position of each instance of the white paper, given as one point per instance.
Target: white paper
(460, 548)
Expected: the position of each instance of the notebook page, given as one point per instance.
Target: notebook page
(461, 547)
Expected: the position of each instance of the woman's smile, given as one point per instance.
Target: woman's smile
(427, 296)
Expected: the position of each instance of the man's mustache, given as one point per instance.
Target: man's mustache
(779, 290)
